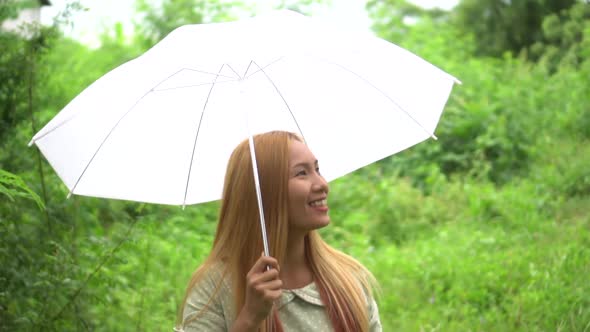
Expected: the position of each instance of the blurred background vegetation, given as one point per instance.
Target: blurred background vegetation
(486, 229)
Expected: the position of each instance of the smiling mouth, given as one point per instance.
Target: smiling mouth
(319, 203)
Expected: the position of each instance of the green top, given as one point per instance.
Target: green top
(299, 309)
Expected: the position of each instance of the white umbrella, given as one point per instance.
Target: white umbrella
(160, 128)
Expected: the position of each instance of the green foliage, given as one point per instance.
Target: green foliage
(159, 21)
(9, 9)
(472, 256)
(391, 18)
(551, 30)
(564, 169)
(13, 186)
(565, 37)
(506, 26)
(472, 276)
(15, 63)
(487, 125)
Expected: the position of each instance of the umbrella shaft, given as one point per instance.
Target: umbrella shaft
(258, 195)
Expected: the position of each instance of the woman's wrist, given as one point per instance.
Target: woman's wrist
(244, 323)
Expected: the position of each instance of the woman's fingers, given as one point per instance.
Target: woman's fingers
(272, 295)
(263, 277)
(262, 285)
(264, 280)
(259, 274)
(274, 285)
(263, 262)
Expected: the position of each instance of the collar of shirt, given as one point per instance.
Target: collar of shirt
(309, 294)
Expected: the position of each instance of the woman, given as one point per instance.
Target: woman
(306, 285)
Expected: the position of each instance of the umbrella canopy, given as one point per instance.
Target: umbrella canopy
(160, 128)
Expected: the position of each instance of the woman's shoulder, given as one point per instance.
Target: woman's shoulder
(210, 286)
(208, 306)
(210, 277)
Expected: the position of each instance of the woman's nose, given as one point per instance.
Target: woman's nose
(320, 184)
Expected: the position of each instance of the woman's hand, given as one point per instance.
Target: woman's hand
(263, 287)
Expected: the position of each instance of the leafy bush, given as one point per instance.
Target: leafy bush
(499, 265)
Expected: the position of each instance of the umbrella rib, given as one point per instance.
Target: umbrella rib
(235, 72)
(194, 85)
(52, 129)
(115, 126)
(248, 68)
(260, 69)
(189, 69)
(188, 178)
(380, 91)
(205, 72)
(105, 139)
(151, 90)
(266, 66)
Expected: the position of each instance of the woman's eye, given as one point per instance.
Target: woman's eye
(318, 170)
(300, 173)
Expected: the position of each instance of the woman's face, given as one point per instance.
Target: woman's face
(308, 191)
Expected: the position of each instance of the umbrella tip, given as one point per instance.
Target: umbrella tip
(434, 137)
(69, 195)
(457, 81)
(183, 206)
(31, 142)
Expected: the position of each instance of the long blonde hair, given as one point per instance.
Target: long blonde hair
(344, 284)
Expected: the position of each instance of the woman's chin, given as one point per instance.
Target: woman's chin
(322, 223)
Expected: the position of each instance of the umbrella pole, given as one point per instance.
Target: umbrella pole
(248, 103)
(258, 194)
